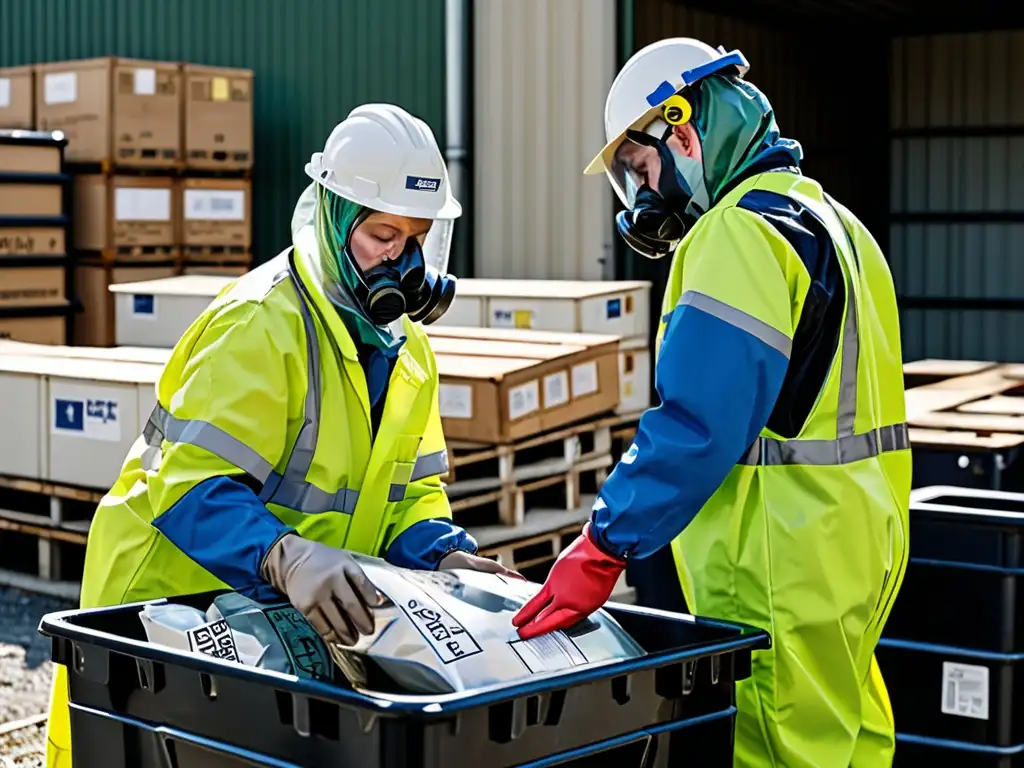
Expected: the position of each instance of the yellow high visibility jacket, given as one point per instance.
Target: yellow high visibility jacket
(807, 537)
(263, 426)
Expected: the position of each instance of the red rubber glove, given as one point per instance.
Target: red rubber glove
(580, 582)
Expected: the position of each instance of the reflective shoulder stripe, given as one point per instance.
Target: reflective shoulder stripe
(738, 319)
(844, 450)
(846, 413)
(163, 426)
(430, 464)
(292, 484)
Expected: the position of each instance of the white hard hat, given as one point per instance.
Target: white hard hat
(382, 157)
(651, 76)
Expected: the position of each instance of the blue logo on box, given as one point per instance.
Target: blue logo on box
(69, 415)
(142, 304)
(614, 308)
(104, 410)
(422, 183)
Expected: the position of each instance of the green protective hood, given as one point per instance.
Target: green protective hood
(334, 217)
(737, 129)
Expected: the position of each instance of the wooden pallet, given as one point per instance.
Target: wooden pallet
(130, 255)
(499, 483)
(43, 529)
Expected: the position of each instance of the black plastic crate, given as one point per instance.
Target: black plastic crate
(981, 468)
(687, 678)
(916, 678)
(916, 752)
(964, 584)
(116, 741)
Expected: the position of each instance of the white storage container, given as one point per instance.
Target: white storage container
(22, 448)
(152, 355)
(574, 306)
(155, 313)
(91, 413)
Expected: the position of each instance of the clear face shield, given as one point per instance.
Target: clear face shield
(645, 170)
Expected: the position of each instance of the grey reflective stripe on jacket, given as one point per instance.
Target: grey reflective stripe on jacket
(848, 446)
(289, 489)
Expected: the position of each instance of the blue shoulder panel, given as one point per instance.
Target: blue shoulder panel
(817, 333)
(222, 525)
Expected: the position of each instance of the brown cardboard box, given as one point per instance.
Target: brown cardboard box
(496, 392)
(23, 152)
(31, 200)
(124, 211)
(95, 325)
(218, 117)
(216, 212)
(31, 241)
(230, 270)
(114, 111)
(37, 330)
(16, 100)
(31, 286)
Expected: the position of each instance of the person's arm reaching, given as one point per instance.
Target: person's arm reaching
(720, 368)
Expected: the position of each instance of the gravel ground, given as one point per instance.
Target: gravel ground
(25, 674)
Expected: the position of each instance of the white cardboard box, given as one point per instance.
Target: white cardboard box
(155, 313)
(22, 452)
(574, 306)
(91, 413)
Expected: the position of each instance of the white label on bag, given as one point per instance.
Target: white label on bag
(548, 653)
(455, 401)
(5, 92)
(215, 204)
(60, 88)
(523, 400)
(556, 389)
(145, 82)
(584, 379)
(141, 204)
(965, 690)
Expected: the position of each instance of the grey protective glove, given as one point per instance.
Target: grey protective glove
(460, 559)
(324, 584)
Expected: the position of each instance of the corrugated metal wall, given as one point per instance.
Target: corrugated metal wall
(313, 60)
(957, 197)
(542, 69)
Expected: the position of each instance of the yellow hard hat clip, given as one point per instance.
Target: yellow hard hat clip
(676, 110)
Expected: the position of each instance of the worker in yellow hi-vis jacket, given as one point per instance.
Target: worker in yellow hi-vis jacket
(298, 416)
(777, 464)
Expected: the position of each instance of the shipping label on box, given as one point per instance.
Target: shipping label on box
(5, 92)
(455, 401)
(512, 318)
(96, 417)
(60, 87)
(215, 204)
(523, 400)
(143, 306)
(142, 204)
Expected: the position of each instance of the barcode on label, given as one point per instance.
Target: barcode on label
(965, 690)
(549, 652)
(214, 639)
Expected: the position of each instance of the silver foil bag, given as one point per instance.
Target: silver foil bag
(445, 631)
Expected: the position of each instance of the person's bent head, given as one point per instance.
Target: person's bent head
(383, 213)
(683, 126)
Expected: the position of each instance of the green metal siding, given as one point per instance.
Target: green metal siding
(313, 61)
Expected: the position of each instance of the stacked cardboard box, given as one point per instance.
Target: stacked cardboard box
(16, 98)
(34, 280)
(571, 306)
(162, 155)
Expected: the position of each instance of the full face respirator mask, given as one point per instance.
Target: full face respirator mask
(664, 190)
(405, 286)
